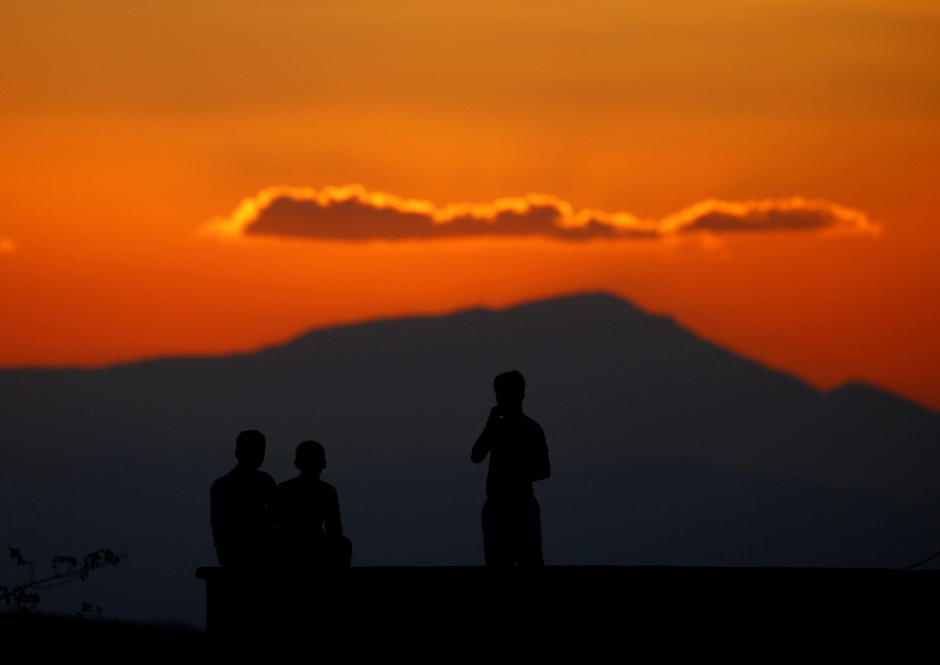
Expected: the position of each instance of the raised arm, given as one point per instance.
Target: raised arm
(485, 440)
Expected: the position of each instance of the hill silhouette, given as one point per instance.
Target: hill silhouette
(666, 449)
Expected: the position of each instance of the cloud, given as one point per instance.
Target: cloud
(352, 213)
(7, 245)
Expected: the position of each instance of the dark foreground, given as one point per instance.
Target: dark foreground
(565, 611)
(38, 638)
(572, 610)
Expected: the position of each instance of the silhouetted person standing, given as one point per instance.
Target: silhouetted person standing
(305, 514)
(238, 504)
(512, 529)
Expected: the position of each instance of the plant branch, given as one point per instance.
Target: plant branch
(66, 569)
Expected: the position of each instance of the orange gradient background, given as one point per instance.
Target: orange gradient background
(125, 127)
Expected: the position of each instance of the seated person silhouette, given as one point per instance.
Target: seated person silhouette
(238, 507)
(305, 515)
(512, 529)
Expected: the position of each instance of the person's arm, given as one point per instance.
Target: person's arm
(485, 440)
(215, 513)
(273, 511)
(541, 469)
(220, 511)
(271, 508)
(332, 526)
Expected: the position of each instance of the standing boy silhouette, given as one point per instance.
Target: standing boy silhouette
(512, 529)
(305, 514)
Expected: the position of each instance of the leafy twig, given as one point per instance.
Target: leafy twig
(24, 597)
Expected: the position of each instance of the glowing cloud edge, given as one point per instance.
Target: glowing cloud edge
(839, 220)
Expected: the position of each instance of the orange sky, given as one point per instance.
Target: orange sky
(125, 127)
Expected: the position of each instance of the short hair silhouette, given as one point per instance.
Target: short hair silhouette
(249, 439)
(249, 448)
(309, 451)
(509, 386)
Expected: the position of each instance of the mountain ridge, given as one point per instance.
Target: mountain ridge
(596, 352)
(600, 296)
(666, 449)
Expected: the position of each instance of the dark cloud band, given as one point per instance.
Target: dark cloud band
(353, 214)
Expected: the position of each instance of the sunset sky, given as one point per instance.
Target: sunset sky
(208, 177)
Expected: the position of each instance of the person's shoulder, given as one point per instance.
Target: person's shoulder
(221, 483)
(325, 487)
(289, 485)
(534, 425)
(263, 481)
(535, 430)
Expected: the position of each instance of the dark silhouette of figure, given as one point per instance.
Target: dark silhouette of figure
(238, 507)
(512, 529)
(305, 515)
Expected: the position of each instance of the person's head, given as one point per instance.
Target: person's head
(510, 390)
(310, 457)
(249, 448)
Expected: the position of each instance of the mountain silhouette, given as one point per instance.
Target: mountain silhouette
(666, 449)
